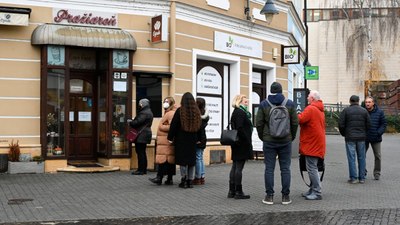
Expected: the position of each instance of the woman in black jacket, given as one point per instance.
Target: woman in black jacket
(242, 150)
(142, 122)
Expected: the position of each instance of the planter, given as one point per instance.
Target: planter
(25, 167)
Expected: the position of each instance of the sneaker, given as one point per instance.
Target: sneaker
(376, 177)
(351, 181)
(362, 181)
(286, 200)
(269, 200)
(313, 197)
(306, 193)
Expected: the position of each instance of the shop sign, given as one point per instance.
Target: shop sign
(159, 28)
(300, 99)
(291, 54)
(120, 59)
(209, 81)
(15, 19)
(214, 107)
(55, 55)
(312, 72)
(237, 45)
(84, 18)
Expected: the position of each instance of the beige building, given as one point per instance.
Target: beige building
(71, 73)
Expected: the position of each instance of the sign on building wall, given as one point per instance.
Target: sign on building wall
(237, 45)
(214, 107)
(291, 54)
(84, 18)
(209, 81)
(312, 72)
(159, 28)
(300, 99)
(120, 59)
(15, 19)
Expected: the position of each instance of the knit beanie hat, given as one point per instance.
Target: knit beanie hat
(276, 88)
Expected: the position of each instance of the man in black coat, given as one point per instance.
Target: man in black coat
(354, 122)
(375, 132)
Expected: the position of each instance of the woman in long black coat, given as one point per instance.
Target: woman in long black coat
(243, 149)
(183, 132)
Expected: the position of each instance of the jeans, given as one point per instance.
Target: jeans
(235, 176)
(199, 163)
(353, 148)
(284, 152)
(142, 157)
(312, 169)
(187, 172)
(376, 147)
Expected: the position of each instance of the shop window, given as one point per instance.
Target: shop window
(55, 112)
(150, 87)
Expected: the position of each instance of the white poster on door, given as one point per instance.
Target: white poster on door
(84, 116)
(214, 107)
(209, 81)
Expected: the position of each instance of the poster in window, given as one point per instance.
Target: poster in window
(55, 55)
(214, 107)
(120, 59)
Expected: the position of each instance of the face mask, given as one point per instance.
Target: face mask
(166, 105)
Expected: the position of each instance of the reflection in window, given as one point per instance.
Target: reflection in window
(55, 112)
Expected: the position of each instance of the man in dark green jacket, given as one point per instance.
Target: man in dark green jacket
(273, 146)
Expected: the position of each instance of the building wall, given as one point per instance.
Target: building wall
(195, 23)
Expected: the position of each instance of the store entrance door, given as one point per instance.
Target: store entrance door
(82, 116)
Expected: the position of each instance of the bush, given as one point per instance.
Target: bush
(393, 124)
(14, 152)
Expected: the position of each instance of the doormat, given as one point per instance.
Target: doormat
(86, 165)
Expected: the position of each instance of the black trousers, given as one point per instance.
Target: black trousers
(235, 176)
(166, 169)
(142, 157)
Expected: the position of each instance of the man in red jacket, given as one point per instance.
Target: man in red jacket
(312, 141)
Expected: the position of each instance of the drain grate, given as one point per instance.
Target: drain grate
(18, 201)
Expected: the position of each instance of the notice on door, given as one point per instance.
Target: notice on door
(209, 81)
(84, 116)
(214, 107)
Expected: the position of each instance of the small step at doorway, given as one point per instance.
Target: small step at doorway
(87, 166)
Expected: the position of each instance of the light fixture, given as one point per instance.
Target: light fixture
(269, 10)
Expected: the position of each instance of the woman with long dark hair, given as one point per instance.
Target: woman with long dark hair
(183, 133)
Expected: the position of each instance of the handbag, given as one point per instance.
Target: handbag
(303, 167)
(132, 135)
(229, 136)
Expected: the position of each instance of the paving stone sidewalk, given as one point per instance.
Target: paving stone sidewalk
(119, 196)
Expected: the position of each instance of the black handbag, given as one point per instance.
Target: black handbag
(303, 167)
(229, 136)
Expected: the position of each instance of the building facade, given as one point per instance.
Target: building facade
(72, 73)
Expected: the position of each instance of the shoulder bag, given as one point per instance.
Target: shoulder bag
(229, 136)
(303, 167)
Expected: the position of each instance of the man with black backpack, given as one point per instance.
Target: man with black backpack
(276, 123)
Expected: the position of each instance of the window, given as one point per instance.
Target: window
(150, 87)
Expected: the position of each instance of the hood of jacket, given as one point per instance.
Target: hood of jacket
(276, 99)
(319, 105)
(205, 115)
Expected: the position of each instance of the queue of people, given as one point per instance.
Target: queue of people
(181, 140)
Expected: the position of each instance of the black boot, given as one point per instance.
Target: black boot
(182, 184)
(231, 193)
(169, 180)
(239, 193)
(189, 184)
(156, 180)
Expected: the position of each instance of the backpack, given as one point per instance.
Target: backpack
(279, 122)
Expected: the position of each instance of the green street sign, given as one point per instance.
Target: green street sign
(312, 72)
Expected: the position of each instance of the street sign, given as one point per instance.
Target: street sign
(312, 72)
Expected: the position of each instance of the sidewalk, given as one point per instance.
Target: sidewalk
(66, 197)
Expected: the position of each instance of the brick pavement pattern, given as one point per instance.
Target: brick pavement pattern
(121, 197)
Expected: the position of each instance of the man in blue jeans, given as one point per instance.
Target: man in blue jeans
(354, 123)
(276, 146)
